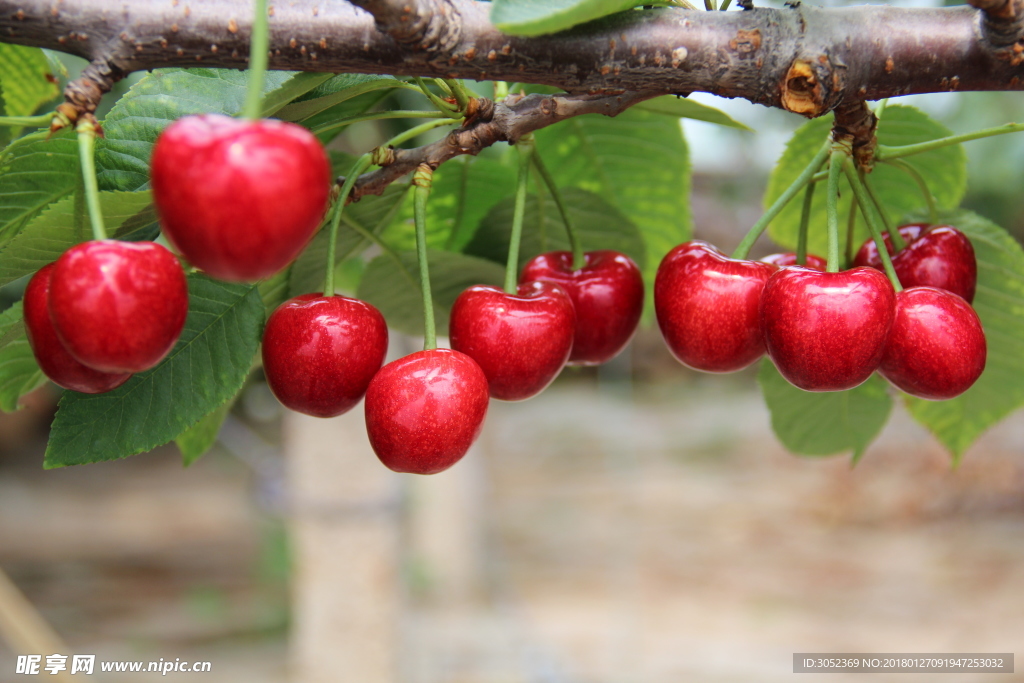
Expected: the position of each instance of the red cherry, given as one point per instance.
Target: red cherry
(940, 256)
(54, 360)
(521, 341)
(867, 255)
(424, 411)
(118, 306)
(608, 294)
(789, 259)
(707, 307)
(936, 347)
(240, 199)
(827, 331)
(320, 352)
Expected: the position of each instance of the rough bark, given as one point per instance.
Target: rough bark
(804, 59)
(801, 58)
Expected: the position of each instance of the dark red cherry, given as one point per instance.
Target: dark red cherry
(320, 352)
(937, 346)
(54, 360)
(240, 199)
(425, 410)
(707, 307)
(938, 256)
(827, 331)
(118, 306)
(608, 294)
(521, 341)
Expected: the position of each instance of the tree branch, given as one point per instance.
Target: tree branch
(506, 121)
(804, 59)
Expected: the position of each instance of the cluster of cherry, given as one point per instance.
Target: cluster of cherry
(107, 309)
(829, 331)
(423, 411)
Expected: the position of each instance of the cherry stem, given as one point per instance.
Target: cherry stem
(500, 90)
(851, 224)
(933, 209)
(86, 147)
(377, 116)
(26, 121)
(805, 220)
(837, 153)
(776, 208)
(416, 131)
(258, 57)
(442, 106)
(422, 181)
(884, 152)
(725, 5)
(362, 163)
(897, 239)
(458, 92)
(574, 243)
(868, 211)
(524, 146)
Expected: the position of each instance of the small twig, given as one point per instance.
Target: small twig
(508, 121)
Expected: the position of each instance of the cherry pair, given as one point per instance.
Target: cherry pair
(558, 315)
(103, 311)
(321, 354)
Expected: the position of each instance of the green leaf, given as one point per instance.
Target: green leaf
(463, 191)
(19, 372)
(535, 17)
(34, 173)
(324, 122)
(58, 228)
(300, 83)
(338, 89)
(371, 213)
(5, 131)
(999, 301)
(131, 127)
(598, 224)
(945, 171)
(638, 162)
(24, 79)
(681, 107)
(195, 441)
(204, 369)
(395, 290)
(12, 326)
(812, 423)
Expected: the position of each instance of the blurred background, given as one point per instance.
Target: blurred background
(635, 523)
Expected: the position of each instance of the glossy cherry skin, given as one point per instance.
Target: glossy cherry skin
(827, 331)
(118, 306)
(320, 352)
(425, 410)
(608, 294)
(937, 346)
(521, 341)
(707, 307)
(54, 360)
(789, 259)
(938, 256)
(239, 199)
